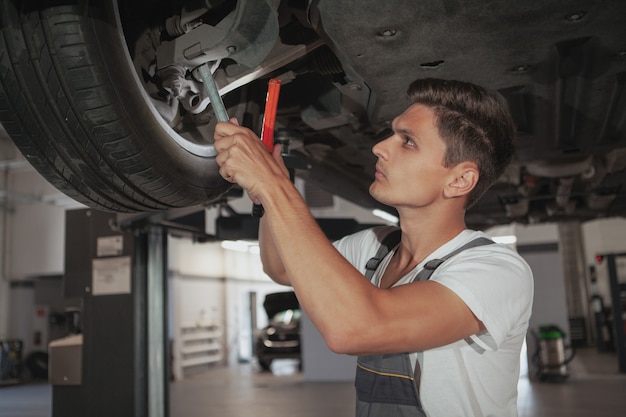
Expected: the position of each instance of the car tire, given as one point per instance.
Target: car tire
(72, 103)
(37, 365)
(265, 364)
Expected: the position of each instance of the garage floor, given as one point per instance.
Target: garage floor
(594, 389)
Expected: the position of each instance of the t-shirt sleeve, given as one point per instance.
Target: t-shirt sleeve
(496, 284)
(359, 247)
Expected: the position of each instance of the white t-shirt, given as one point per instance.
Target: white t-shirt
(477, 376)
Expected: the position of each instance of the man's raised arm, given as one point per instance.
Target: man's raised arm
(272, 263)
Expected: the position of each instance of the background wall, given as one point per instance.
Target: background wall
(33, 240)
(605, 237)
(212, 285)
(538, 245)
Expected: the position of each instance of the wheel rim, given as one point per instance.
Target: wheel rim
(191, 131)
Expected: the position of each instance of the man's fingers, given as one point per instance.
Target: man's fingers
(243, 158)
(225, 129)
(276, 152)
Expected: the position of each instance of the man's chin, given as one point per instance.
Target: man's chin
(372, 191)
(375, 195)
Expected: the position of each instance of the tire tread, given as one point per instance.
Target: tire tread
(57, 104)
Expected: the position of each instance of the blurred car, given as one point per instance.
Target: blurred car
(280, 339)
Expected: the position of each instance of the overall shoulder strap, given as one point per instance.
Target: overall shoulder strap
(433, 264)
(388, 243)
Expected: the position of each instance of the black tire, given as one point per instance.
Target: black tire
(37, 365)
(265, 364)
(72, 103)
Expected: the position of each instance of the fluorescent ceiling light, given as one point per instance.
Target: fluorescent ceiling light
(385, 216)
(241, 246)
(509, 240)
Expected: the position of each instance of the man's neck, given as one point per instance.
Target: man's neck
(423, 233)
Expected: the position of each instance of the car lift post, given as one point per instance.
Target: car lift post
(120, 275)
(617, 309)
(157, 340)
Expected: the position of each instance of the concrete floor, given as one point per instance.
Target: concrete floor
(594, 389)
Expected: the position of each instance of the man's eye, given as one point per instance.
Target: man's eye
(408, 141)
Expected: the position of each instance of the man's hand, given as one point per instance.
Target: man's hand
(243, 159)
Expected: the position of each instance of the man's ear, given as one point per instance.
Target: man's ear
(464, 178)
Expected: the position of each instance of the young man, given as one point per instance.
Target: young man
(445, 346)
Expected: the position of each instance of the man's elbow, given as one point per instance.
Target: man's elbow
(341, 342)
(279, 277)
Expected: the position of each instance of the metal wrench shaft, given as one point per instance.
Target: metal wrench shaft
(213, 93)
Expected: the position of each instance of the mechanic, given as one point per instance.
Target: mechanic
(444, 346)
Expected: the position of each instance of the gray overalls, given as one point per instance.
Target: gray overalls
(386, 385)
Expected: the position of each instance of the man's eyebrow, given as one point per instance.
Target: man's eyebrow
(403, 130)
(406, 131)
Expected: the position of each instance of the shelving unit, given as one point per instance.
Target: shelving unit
(197, 344)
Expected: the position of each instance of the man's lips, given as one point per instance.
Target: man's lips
(379, 172)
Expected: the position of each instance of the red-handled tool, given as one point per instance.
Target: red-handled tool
(267, 132)
(269, 118)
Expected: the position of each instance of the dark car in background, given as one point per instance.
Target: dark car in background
(280, 339)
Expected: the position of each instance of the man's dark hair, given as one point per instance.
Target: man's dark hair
(474, 123)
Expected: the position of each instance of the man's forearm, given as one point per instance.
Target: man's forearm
(272, 263)
(326, 284)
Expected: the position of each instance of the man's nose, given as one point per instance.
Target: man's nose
(379, 149)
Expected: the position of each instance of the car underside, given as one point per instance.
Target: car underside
(104, 98)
